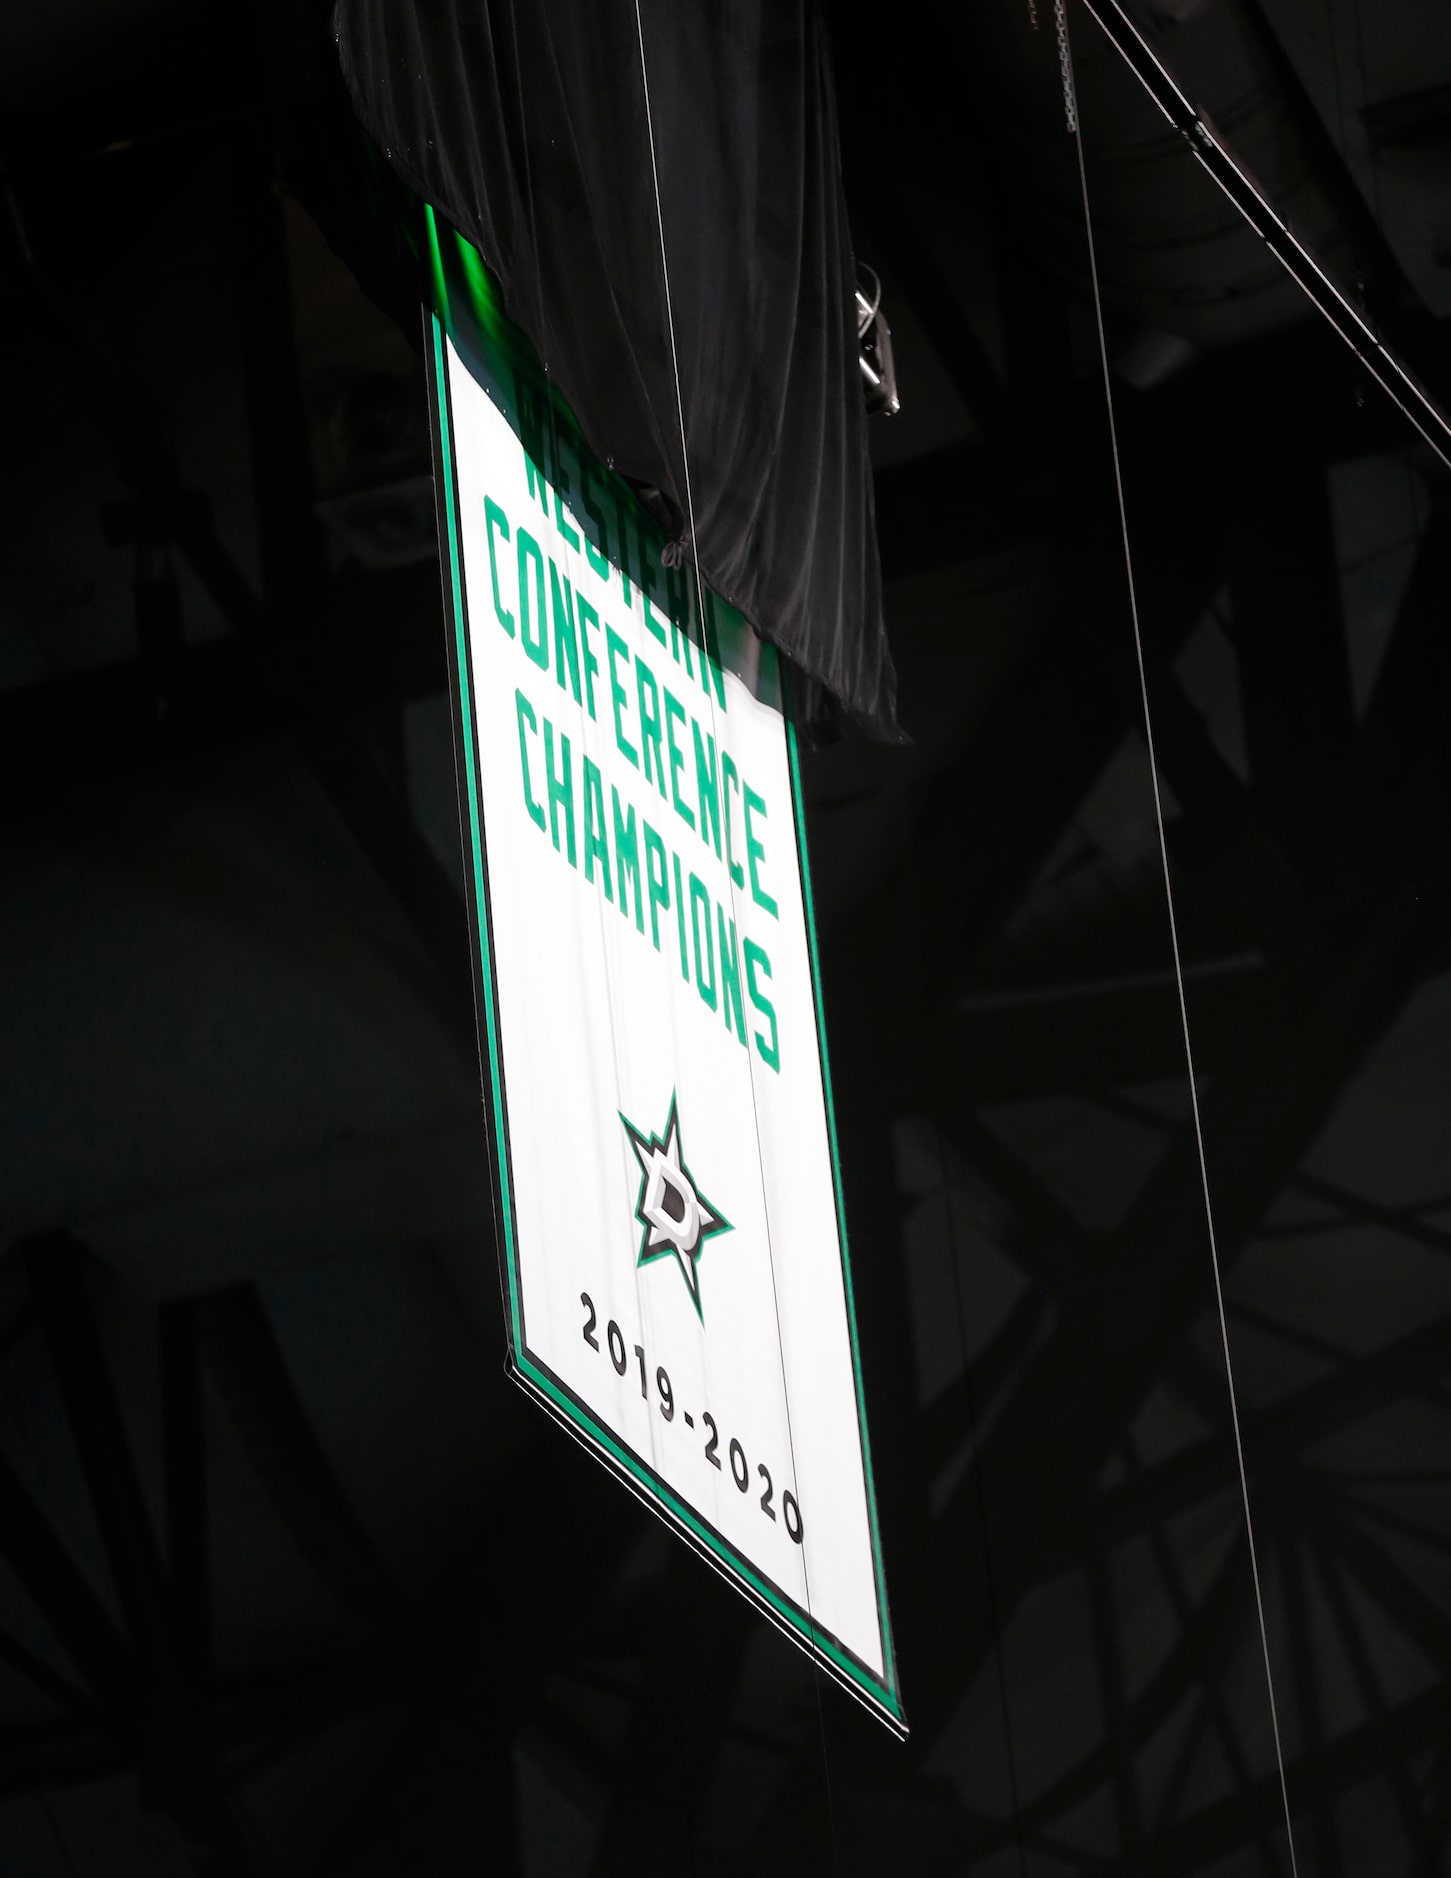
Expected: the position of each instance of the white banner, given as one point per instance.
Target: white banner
(675, 1263)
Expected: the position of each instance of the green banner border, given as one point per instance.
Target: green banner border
(879, 1694)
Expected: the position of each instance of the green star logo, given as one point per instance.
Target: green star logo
(675, 1217)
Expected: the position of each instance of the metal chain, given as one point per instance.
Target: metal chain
(1033, 14)
(1065, 65)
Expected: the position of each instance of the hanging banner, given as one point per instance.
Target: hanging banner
(674, 1260)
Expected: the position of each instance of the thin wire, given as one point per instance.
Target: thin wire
(543, 348)
(1071, 106)
(1334, 31)
(760, 1159)
(670, 316)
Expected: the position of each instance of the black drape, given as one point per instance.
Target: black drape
(524, 123)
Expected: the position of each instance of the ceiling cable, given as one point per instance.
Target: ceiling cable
(1389, 372)
(1070, 105)
(730, 882)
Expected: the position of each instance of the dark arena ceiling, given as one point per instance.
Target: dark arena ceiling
(292, 1579)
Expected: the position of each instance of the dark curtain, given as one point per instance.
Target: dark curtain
(524, 123)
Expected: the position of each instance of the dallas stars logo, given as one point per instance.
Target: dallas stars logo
(675, 1218)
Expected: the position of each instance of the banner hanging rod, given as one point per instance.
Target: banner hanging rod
(1374, 354)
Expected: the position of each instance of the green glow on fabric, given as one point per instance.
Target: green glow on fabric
(466, 296)
(487, 302)
(436, 274)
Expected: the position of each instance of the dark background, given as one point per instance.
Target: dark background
(291, 1579)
